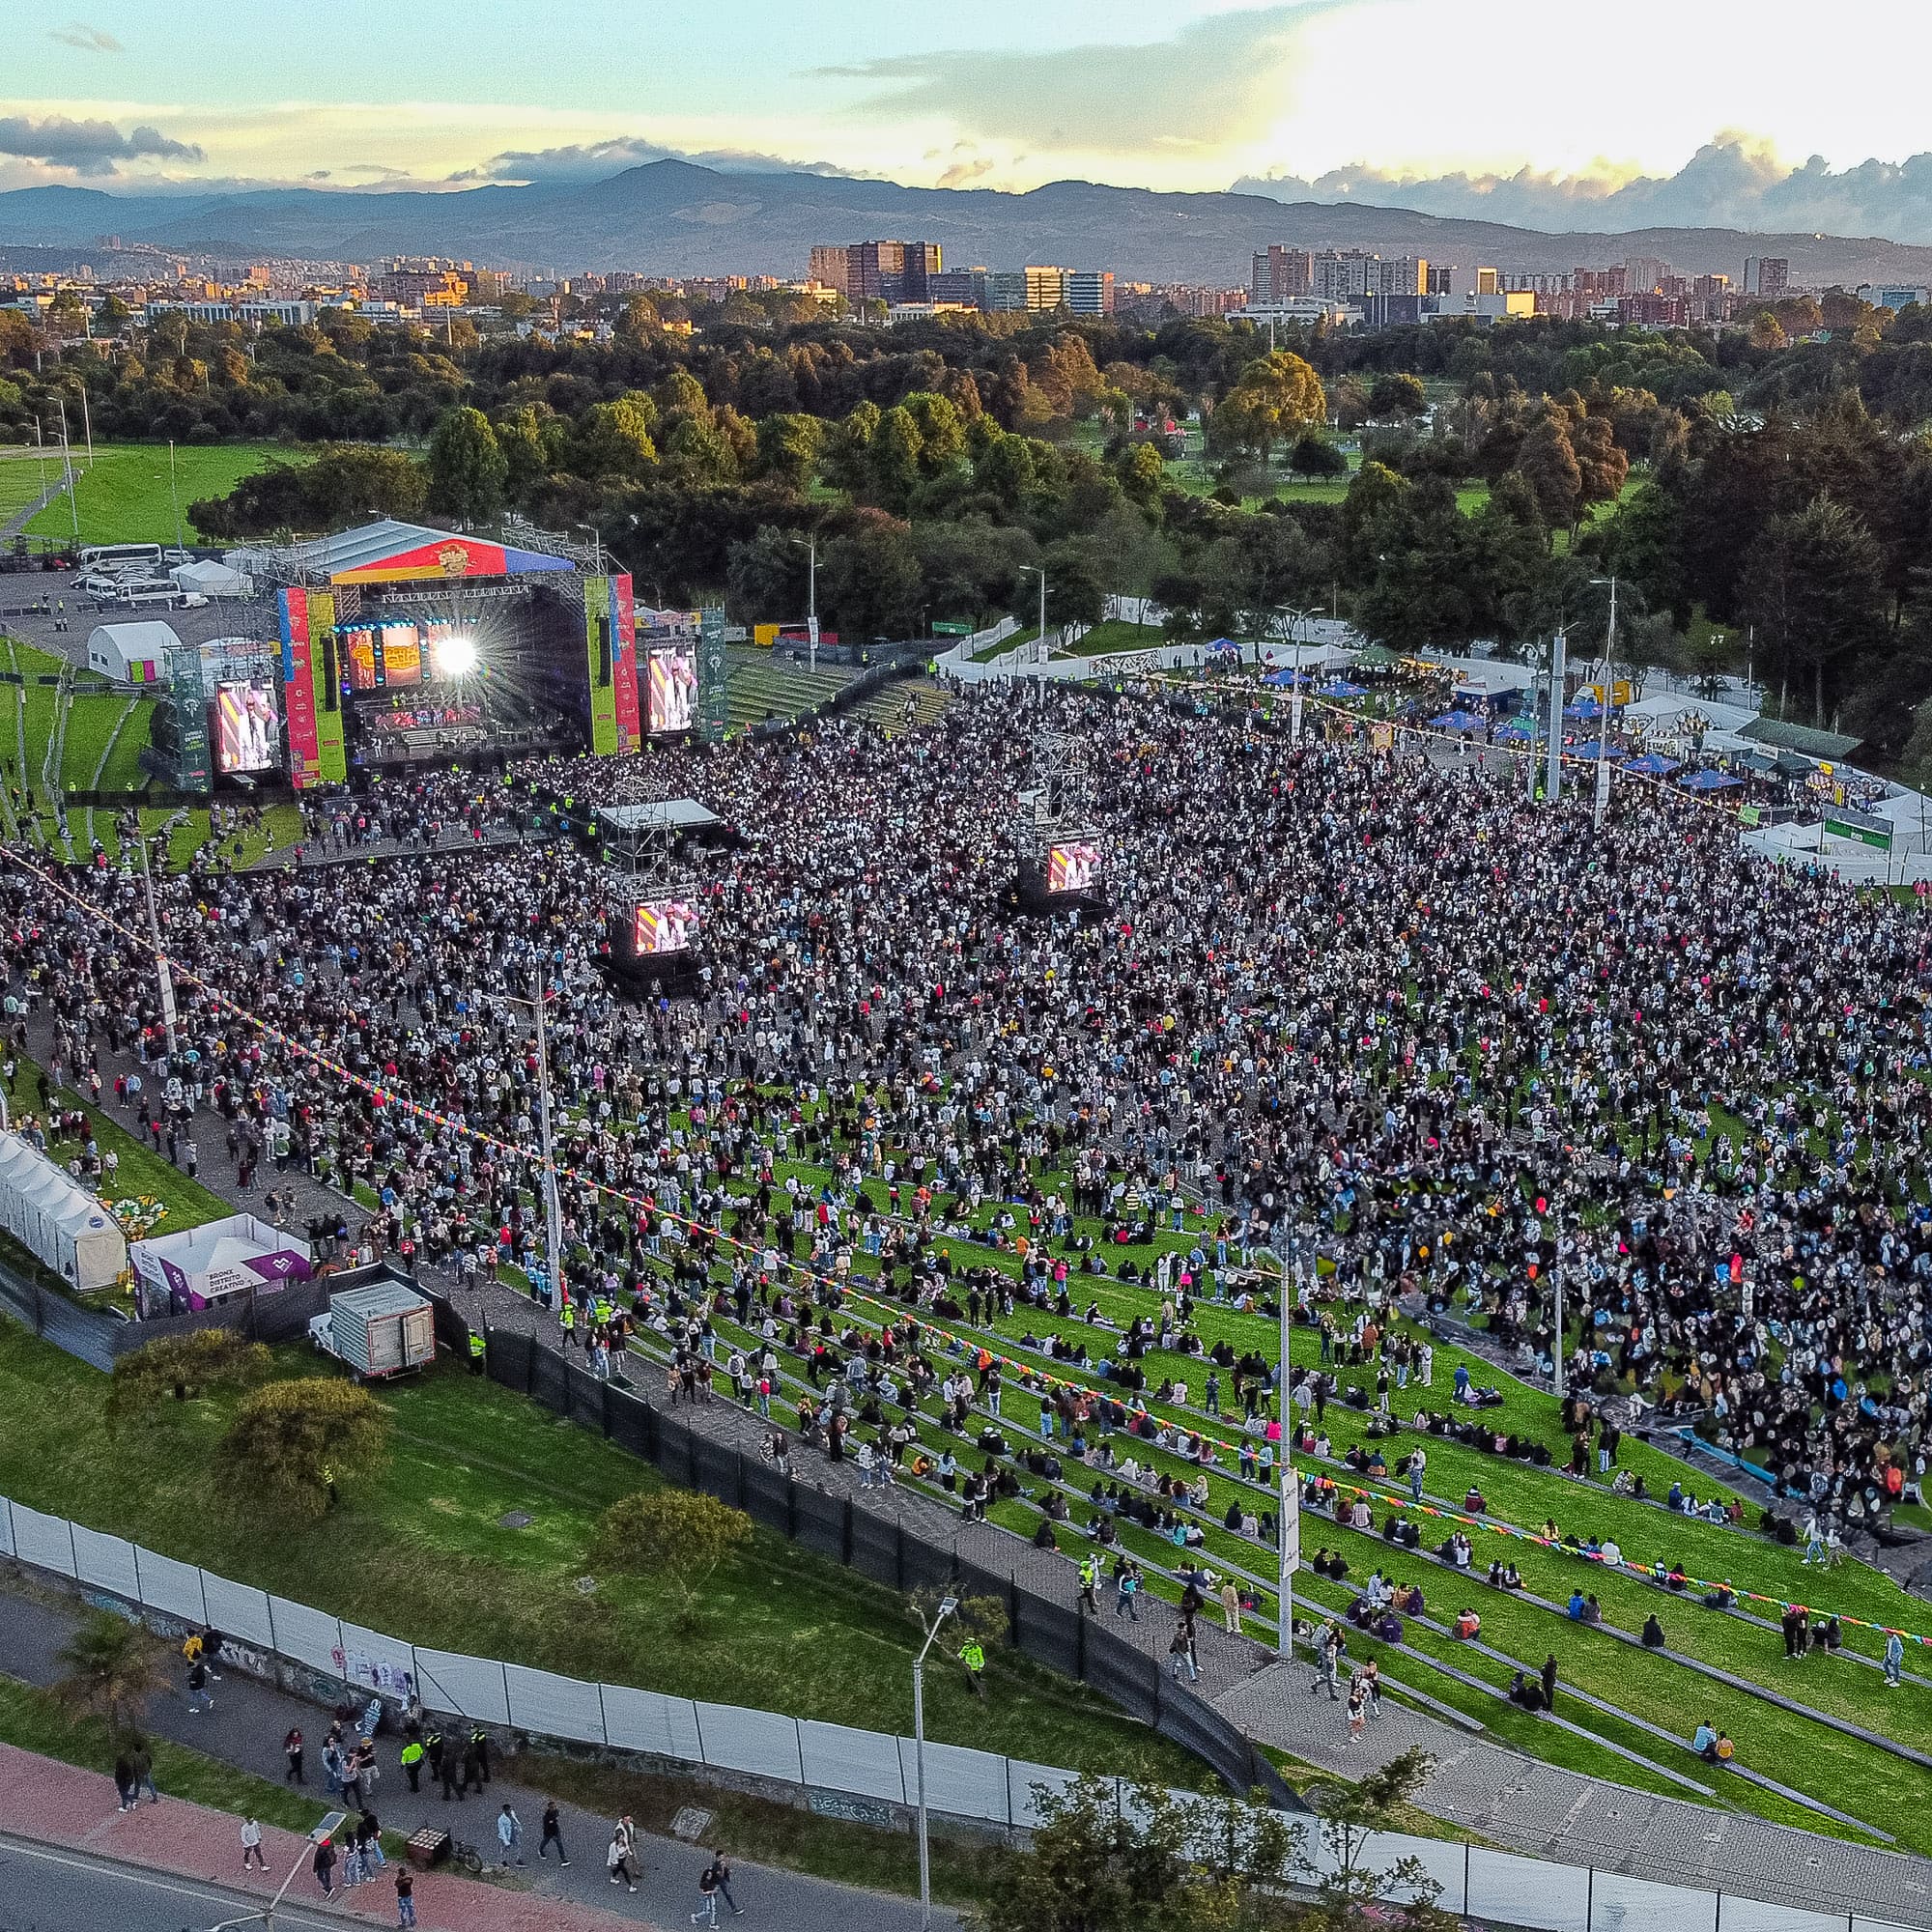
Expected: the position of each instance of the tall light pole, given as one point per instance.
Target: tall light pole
(552, 1208)
(1287, 1522)
(1604, 723)
(160, 953)
(1039, 641)
(319, 1834)
(810, 544)
(947, 1606)
(1558, 658)
(1294, 619)
(174, 497)
(67, 471)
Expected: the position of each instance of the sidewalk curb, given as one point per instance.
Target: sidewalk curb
(128, 1869)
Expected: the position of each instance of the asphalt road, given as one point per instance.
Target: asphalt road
(43, 1890)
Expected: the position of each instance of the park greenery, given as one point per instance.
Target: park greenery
(681, 1535)
(1763, 493)
(302, 1440)
(177, 1369)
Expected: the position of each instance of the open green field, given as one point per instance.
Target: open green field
(1113, 637)
(124, 494)
(422, 1552)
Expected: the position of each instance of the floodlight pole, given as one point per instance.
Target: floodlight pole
(947, 1606)
(552, 1209)
(67, 472)
(1288, 1547)
(165, 974)
(1604, 723)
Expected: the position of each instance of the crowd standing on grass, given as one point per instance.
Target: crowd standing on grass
(1434, 1044)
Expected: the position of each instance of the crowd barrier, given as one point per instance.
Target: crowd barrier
(854, 1767)
(887, 1553)
(866, 1775)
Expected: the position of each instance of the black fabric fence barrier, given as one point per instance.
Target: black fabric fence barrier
(822, 1521)
(1052, 1633)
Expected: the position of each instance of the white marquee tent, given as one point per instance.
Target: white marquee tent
(52, 1215)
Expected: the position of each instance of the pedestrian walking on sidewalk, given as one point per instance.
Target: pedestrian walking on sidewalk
(618, 1860)
(251, 1843)
(510, 1835)
(721, 1865)
(707, 1897)
(198, 1699)
(291, 1753)
(552, 1835)
(406, 1902)
(325, 1868)
(123, 1782)
(143, 1761)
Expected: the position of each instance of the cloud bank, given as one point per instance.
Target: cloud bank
(1734, 181)
(87, 147)
(598, 161)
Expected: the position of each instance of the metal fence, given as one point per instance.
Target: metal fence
(855, 1768)
(888, 1552)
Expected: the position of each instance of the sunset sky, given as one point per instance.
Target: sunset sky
(1169, 94)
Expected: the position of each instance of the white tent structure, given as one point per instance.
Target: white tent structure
(209, 579)
(134, 653)
(197, 1267)
(56, 1219)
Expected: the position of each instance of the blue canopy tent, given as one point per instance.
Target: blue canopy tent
(1516, 733)
(1594, 751)
(1655, 765)
(1585, 707)
(1708, 782)
(1224, 647)
(1458, 721)
(1340, 687)
(1287, 679)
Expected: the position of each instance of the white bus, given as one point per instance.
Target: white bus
(117, 557)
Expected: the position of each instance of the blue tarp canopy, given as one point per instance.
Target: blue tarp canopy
(1458, 721)
(1516, 731)
(1595, 751)
(1655, 765)
(1709, 781)
(1585, 707)
(1222, 648)
(1287, 678)
(1340, 687)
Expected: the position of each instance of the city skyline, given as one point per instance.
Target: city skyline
(1528, 114)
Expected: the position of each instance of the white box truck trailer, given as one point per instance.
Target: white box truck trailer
(383, 1329)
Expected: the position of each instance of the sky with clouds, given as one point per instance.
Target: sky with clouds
(1547, 112)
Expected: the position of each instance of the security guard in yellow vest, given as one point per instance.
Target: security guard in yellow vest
(973, 1658)
(475, 1351)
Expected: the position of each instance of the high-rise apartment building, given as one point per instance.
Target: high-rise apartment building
(1768, 277)
(888, 271)
(1281, 273)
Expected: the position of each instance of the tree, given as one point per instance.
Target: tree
(299, 1441)
(614, 440)
(466, 467)
(1549, 464)
(1813, 586)
(942, 434)
(182, 1368)
(532, 439)
(788, 447)
(895, 458)
(681, 1535)
(849, 448)
(1277, 398)
(766, 577)
(109, 1669)
(1313, 455)
(1397, 396)
(1351, 1814)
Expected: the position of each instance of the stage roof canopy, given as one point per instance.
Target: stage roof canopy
(671, 814)
(392, 552)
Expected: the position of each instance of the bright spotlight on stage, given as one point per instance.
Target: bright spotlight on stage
(455, 657)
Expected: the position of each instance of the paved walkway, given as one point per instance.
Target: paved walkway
(55, 1803)
(1514, 1800)
(245, 1729)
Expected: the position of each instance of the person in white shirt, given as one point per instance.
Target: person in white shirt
(251, 1844)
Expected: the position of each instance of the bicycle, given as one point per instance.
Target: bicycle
(466, 1857)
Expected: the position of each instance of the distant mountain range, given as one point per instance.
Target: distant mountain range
(671, 217)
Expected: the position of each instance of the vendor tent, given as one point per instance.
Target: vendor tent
(1594, 751)
(1458, 720)
(1340, 687)
(1708, 781)
(1653, 765)
(198, 1266)
(56, 1219)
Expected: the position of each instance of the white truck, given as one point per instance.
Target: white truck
(382, 1329)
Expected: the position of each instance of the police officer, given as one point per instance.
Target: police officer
(1090, 1583)
(476, 1351)
(566, 1316)
(412, 1758)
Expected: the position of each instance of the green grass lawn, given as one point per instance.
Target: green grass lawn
(1113, 635)
(141, 1171)
(124, 497)
(422, 1552)
(91, 726)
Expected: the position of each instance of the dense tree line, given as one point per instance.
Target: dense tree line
(1770, 483)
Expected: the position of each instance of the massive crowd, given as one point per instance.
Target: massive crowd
(1439, 1045)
